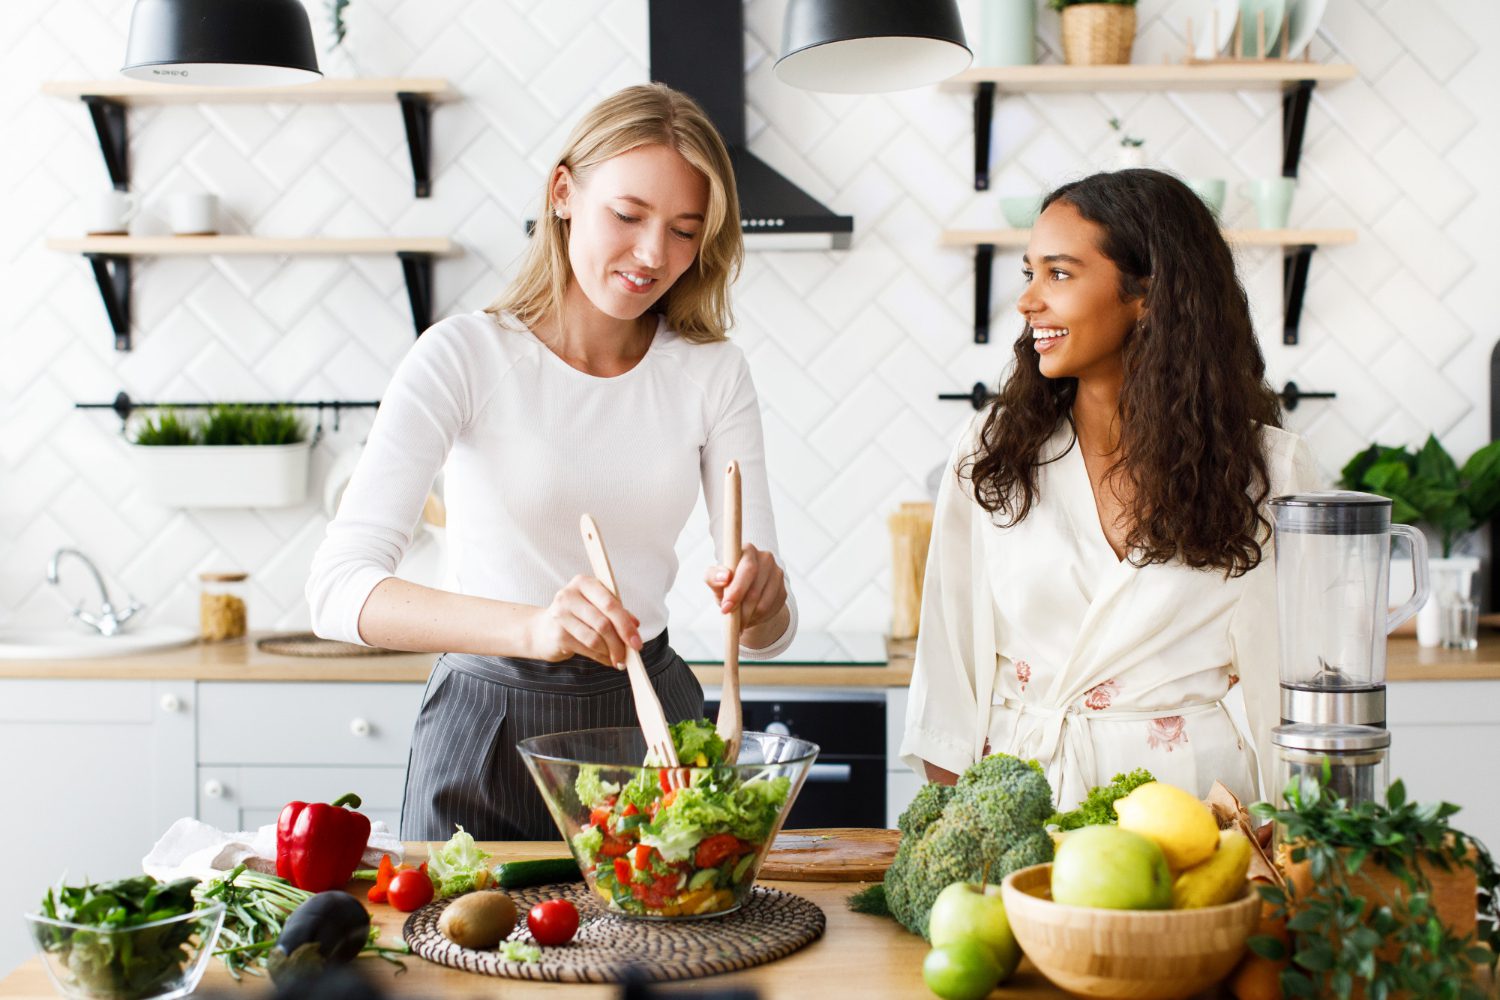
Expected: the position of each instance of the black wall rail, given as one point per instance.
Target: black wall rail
(124, 406)
(1290, 393)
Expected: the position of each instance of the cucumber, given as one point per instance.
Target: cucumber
(518, 874)
(743, 866)
(703, 877)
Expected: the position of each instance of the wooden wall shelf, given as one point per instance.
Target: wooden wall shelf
(110, 258)
(1221, 76)
(1297, 246)
(108, 99)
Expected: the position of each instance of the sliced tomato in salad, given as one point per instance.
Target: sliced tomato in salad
(642, 856)
(713, 851)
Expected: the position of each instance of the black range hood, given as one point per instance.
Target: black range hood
(698, 47)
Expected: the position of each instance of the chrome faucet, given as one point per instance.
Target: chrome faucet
(107, 621)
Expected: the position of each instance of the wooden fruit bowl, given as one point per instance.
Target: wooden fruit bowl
(1126, 954)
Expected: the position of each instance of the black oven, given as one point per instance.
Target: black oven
(846, 785)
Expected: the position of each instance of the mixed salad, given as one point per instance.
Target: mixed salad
(652, 850)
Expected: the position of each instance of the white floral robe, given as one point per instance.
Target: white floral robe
(1037, 641)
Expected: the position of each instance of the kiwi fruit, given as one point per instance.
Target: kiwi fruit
(478, 920)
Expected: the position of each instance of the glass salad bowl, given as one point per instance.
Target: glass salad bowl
(150, 961)
(656, 853)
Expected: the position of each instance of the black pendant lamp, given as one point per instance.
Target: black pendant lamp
(224, 43)
(871, 46)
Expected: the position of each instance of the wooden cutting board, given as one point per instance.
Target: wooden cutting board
(839, 854)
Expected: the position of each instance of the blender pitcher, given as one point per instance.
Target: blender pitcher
(1333, 560)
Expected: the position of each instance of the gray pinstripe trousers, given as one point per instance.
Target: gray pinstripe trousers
(464, 767)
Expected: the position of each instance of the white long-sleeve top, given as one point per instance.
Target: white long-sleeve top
(1038, 641)
(527, 444)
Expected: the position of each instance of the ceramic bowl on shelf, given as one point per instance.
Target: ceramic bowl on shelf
(650, 851)
(152, 961)
(1136, 954)
(1021, 212)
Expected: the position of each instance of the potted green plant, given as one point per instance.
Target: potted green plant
(1428, 488)
(1130, 154)
(238, 456)
(1096, 33)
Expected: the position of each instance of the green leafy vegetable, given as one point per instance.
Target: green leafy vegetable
(458, 866)
(124, 948)
(698, 743)
(1345, 922)
(1098, 807)
(519, 951)
(1429, 488)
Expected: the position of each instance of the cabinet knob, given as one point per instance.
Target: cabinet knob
(360, 727)
(213, 788)
(171, 703)
(778, 729)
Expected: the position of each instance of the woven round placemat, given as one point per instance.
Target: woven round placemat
(308, 644)
(772, 924)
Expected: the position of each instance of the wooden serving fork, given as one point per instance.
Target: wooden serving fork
(731, 721)
(647, 705)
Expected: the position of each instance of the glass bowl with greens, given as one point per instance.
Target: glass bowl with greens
(134, 939)
(654, 852)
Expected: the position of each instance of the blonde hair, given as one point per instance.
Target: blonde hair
(697, 304)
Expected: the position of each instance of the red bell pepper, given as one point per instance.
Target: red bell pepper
(319, 845)
(642, 857)
(383, 876)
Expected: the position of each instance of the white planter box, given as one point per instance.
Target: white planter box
(224, 475)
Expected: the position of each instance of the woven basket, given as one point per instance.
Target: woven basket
(1097, 34)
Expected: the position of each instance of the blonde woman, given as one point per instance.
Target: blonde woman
(599, 382)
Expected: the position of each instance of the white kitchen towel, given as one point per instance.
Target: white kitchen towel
(193, 848)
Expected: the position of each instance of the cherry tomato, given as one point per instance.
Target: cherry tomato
(411, 889)
(553, 922)
(713, 850)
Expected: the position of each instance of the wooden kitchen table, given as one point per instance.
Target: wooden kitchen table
(872, 958)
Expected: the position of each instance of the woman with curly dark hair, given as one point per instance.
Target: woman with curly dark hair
(1100, 574)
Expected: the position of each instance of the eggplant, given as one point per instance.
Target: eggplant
(329, 929)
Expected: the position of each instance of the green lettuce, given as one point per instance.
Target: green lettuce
(586, 844)
(593, 790)
(456, 866)
(748, 811)
(692, 737)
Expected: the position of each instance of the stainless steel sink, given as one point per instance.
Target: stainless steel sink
(74, 644)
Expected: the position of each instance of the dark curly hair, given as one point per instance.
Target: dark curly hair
(1194, 397)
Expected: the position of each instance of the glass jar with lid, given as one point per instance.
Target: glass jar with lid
(221, 605)
(1356, 757)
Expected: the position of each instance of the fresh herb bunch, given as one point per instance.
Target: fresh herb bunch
(227, 423)
(167, 428)
(1060, 4)
(1429, 487)
(1338, 932)
(256, 909)
(114, 954)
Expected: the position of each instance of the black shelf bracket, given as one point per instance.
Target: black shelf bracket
(1294, 104)
(112, 272)
(416, 112)
(418, 270)
(975, 397)
(1294, 264)
(984, 257)
(109, 124)
(1291, 395)
(984, 123)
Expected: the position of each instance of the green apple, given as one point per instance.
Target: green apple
(1113, 869)
(963, 970)
(966, 911)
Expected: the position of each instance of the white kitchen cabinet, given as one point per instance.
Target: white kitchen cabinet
(244, 798)
(261, 745)
(1444, 735)
(95, 771)
(901, 782)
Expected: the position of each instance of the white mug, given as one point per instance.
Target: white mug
(192, 214)
(111, 212)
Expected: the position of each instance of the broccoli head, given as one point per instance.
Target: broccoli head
(1098, 807)
(990, 824)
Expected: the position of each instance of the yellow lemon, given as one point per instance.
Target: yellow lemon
(1182, 827)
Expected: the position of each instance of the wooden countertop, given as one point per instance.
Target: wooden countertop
(864, 956)
(241, 660)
